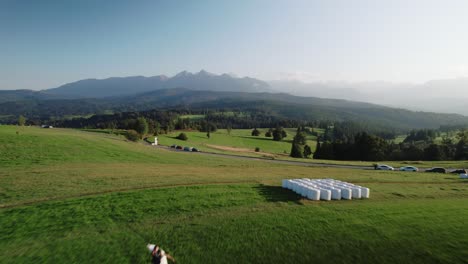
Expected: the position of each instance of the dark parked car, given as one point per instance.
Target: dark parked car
(461, 171)
(179, 147)
(187, 149)
(438, 170)
(195, 150)
(174, 146)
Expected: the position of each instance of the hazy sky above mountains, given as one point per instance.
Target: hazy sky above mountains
(47, 43)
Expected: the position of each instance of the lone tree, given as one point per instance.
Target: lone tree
(307, 151)
(269, 133)
(21, 120)
(157, 128)
(141, 126)
(255, 132)
(182, 136)
(279, 133)
(317, 152)
(297, 150)
(132, 135)
(298, 144)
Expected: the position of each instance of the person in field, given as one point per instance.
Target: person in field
(159, 256)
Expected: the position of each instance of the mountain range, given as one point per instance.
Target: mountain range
(117, 86)
(210, 91)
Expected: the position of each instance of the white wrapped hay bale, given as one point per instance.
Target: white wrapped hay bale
(365, 192)
(346, 193)
(313, 194)
(295, 187)
(328, 189)
(356, 193)
(303, 190)
(325, 194)
(335, 194)
(284, 183)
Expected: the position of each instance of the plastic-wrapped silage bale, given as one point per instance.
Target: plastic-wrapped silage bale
(299, 188)
(335, 194)
(365, 192)
(294, 186)
(346, 193)
(313, 194)
(356, 193)
(303, 190)
(325, 194)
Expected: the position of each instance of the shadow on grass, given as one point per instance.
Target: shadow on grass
(278, 194)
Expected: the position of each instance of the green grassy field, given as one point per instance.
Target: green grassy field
(240, 142)
(73, 196)
(240, 139)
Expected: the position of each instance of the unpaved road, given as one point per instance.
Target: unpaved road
(288, 162)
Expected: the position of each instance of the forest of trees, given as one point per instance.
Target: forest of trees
(419, 145)
(163, 121)
(345, 140)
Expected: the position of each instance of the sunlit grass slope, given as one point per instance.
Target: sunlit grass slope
(106, 201)
(237, 138)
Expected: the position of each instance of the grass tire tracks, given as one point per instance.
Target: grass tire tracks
(150, 187)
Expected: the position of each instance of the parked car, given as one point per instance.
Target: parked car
(384, 167)
(460, 171)
(179, 147)
(174, 146)
(409, 168)
(437, 169)
(195, 150)
(187, 149)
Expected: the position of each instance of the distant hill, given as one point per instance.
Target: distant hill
(279, 105)
(21, 95)
(118, 86)
(443, 96)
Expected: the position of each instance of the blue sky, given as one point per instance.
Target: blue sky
(48, 43)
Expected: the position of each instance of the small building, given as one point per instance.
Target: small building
(155, 141)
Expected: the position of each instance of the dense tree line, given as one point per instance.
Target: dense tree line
(368, 147)
(169, 120)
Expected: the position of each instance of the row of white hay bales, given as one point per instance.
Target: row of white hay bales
(326, 189)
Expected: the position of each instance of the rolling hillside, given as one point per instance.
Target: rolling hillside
(283, 106)
(68, 196)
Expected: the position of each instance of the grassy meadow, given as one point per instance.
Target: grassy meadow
(241, 142)
(69, 196)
